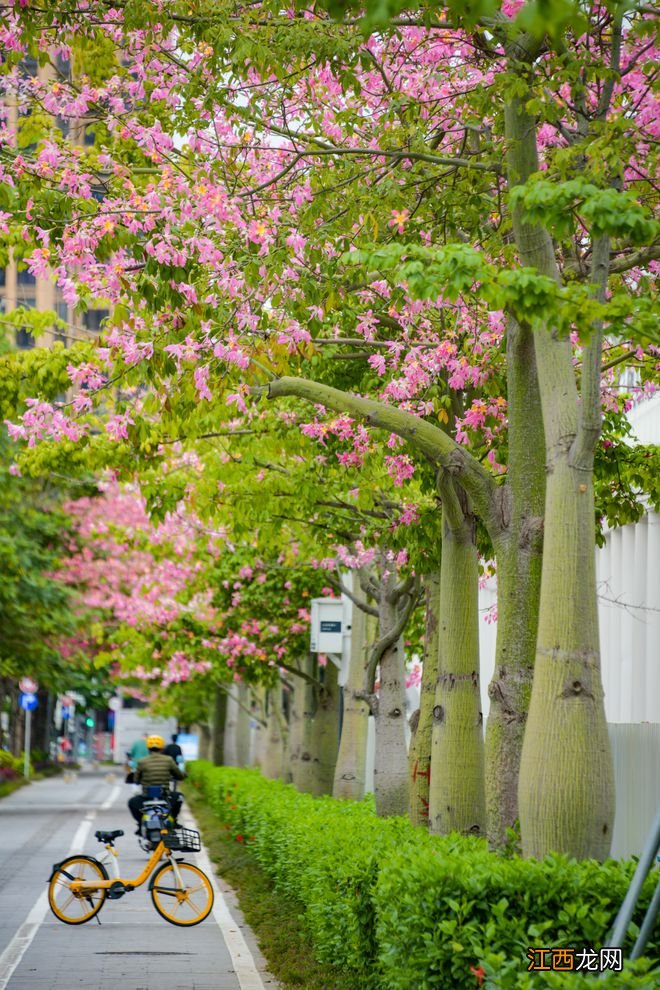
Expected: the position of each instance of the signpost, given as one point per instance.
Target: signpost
(28, 702)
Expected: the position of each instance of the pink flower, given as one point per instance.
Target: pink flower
(398, 220)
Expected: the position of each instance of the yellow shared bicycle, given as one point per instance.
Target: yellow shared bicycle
(181, 892)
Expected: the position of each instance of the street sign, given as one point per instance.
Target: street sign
(66, 713)
(66, 700)
(28, 701)
(326, 625)
(28, 685)
(114, 704)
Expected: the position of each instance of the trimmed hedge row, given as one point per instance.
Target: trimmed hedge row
(401, 909)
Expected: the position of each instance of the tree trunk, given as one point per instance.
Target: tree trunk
(273, 753)
(457, 796)
(204, 740)
(219, 718)
(350, 771)
(519, 553)
(296, 712)
(301, 739)
(243, 726)
(419, 753)
(325, 732)
(231, 727)
(566, 787)
(391, 756)
(259, 738)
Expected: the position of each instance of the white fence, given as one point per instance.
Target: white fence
(636, 752)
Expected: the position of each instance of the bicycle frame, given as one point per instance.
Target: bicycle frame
(161, 851)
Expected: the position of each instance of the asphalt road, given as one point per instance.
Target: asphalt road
(133, 947)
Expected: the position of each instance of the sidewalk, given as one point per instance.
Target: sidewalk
(133, 948)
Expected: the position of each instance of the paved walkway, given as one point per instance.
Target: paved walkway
(133, 948)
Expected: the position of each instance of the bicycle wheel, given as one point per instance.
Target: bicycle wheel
(76, 907)
(186, 904)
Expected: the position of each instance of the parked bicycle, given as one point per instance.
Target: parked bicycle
(181, 892)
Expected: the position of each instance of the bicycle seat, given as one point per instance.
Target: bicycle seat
(108, 836)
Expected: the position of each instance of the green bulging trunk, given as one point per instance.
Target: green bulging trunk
(457, 797)
(350, 770)
(391, 755)
(519, 553)
(566, 775)
(566, 785)
(419, 753)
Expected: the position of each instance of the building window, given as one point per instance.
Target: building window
(25, 277)
(30, 66)
(62, 311)
(93, 319)
(63, 66)
(24, 339)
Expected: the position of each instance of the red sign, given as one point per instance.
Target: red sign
(28, 685)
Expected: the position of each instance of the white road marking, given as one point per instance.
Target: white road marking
(22, 940)
(114, 794)
(249, 977)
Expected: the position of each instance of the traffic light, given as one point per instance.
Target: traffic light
(89, 722)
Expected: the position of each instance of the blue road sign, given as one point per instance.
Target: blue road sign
(28, 702)
(66, 713)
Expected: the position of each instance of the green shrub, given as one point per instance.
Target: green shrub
(453, 910)
(402, 909)
(6, 759)
(503, 975)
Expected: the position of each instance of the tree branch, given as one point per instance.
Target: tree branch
(432, 442)
(362, 605)
(390, 638)
(635, 260)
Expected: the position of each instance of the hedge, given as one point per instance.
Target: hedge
(401, 909)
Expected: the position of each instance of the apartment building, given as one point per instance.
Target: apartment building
(19, 288)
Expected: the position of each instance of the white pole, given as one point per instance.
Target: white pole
(28, 726)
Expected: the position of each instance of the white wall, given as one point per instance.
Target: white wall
(628, 574)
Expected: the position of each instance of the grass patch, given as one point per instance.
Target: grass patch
(8, 787)
(274, 921)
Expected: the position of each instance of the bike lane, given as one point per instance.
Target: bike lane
(133, 947)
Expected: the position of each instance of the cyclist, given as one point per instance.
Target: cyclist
(174, 750)
(156, 769)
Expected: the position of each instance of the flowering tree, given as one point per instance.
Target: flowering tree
(495, 159)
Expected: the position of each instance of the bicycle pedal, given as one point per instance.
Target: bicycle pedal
(116, 890)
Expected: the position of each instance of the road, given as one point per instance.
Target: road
(133, 947)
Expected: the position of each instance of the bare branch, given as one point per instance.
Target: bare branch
(362, 605)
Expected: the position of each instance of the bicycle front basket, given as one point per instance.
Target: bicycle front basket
(183, 840)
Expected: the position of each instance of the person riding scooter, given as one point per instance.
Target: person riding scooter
(156, 769)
